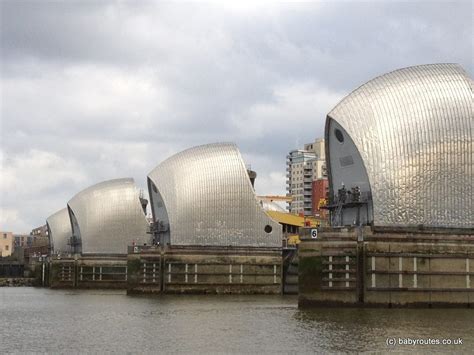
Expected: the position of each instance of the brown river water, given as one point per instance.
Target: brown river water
(35, 320)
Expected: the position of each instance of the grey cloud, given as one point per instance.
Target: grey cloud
(110, 89)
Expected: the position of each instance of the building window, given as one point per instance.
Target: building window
(6, 247)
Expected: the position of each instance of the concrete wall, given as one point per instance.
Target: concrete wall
(174, 270)
(361, 267)
(11, 269)
(144, 269)
(205, 270)
(89, 272)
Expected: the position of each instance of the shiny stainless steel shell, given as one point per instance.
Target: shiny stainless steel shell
(59, 227)
(109, 217)
(209, 199)
(413, 129)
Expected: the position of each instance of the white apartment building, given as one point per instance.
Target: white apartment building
(303, 166)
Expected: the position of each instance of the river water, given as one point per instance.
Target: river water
(69, 321)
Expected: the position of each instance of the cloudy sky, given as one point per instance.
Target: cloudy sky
(97, 90)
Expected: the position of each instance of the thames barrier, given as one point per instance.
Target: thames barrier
(399, 202)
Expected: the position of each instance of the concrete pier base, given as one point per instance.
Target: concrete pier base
(362, 267)
(207, 269)
(89, 271)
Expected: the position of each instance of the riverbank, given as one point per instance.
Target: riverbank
(17, 282)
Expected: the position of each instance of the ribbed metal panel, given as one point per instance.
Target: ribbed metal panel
(413, 129)
(109, 217)
(210, 201)
(59, 227)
